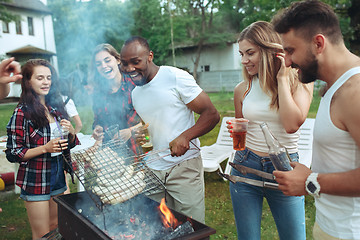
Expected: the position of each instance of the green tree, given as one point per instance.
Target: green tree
(194, 23)
(347, 11)
(80, 26)
(353, 12)
(152, 21)
(203, 24)
(231, 14)
(5, 14)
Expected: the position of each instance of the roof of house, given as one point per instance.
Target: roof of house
(33, 5)
(30, 50)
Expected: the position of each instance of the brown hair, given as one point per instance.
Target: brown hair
(262, 34)
(94, 75)
(34, 109)
(309, 18)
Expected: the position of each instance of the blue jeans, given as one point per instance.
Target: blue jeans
(288, 212)
(57, 182)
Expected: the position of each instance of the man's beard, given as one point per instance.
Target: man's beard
(137, 78)
(309, 72)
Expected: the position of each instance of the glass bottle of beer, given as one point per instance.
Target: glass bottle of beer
(147, 146)
(277, 153)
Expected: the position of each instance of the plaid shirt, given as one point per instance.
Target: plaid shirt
(116, 108)
(33, 174)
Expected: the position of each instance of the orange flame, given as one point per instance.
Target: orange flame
(168, 218)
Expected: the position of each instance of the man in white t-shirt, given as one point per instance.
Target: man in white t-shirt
(166, 99)
(313, 43)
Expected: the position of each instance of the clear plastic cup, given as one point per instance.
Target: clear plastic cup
(239, 130)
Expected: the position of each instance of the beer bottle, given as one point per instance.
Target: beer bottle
(277, 153)
(147, 146)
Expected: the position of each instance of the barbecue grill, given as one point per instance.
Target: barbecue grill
(137, 218)
(115, 204)
(112, 173)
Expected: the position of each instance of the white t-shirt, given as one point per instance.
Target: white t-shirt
(334, 150)
(162, 104)
(70, 107)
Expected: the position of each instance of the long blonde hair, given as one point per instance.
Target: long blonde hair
(262, 34)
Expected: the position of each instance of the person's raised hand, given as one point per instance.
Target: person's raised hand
(98, 133)
(283, 72)
(10, 71)
(68, 126)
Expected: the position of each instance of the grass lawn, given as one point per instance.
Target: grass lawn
(219, 215)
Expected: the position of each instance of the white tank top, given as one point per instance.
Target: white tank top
(334, 150)
(257, 110)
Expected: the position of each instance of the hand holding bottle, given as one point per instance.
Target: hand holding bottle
(277, 153)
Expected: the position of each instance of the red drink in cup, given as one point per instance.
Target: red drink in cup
(239, 139)
(239, 129)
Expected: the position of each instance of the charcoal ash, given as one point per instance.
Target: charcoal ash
(181, 230)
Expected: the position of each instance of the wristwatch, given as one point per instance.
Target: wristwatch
(312, 185)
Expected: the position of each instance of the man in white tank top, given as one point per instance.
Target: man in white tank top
(313, 43)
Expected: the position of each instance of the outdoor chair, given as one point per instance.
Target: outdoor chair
(218, 152)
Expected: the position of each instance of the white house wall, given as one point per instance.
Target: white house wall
(218, 58)
(43, 38)
(12, 41)
(43, 34)
(225, 67)
(48, 33)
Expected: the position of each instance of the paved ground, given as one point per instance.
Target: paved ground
(5, 167)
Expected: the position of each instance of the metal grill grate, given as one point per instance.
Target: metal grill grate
(112, 173)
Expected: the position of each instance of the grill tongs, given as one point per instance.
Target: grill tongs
(245, 170)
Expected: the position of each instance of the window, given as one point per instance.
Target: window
(5, 27)
(205, 68)
(18, 27)
(30, 26)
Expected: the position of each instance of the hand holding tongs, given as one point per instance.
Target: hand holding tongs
(245, 170)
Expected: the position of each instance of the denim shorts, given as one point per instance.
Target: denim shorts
(57, 183)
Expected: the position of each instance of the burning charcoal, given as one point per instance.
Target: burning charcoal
(130, 236)
(137, 218)
(181, 230)
(165, 233)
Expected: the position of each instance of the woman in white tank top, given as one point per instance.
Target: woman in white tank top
(269, 93)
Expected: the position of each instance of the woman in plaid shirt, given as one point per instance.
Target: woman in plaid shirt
(31, 143)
